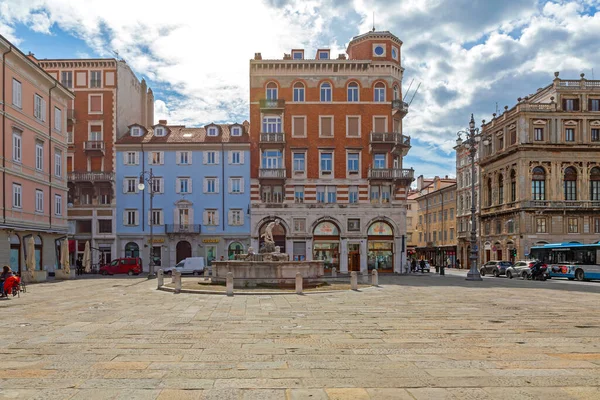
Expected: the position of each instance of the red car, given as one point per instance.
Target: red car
(128, 265)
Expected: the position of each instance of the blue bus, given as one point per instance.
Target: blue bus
(570, 260)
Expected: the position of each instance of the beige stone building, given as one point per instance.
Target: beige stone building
(436, 224)
(540, 170)
(412, 218)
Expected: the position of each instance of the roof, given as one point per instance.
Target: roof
(375, 35)
(180, 134)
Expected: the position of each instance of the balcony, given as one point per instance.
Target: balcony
(277, 104)
(94, 146)
(399, 106)
(562, 204)
(272, 140)
(402, 176)
(182, 228)
(272, 173)
(71, 115)
(91, 177)
(390, 141)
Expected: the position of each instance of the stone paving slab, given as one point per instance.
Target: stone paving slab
(425, 337)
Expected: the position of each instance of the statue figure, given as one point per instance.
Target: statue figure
(268, 235)
(250, 250)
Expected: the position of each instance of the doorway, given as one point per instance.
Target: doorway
(354, 257)
(211, 254)
(183, 250)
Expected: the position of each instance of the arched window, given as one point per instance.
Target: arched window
(379, 92)
(500, 189)
(396, 92)
(298, 91)
(15, 253)
(271, 91)
(234, 249)
(353, 92)
(489, 192)
(570, 183)
(325, 91)
(132, 250)
(513, 186)
(538, 184)
(595, 183)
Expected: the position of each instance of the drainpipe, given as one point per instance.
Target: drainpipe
(4, 133)
(143, 197)
(50, 155)
(223, 184)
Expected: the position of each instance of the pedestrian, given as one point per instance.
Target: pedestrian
(458, 263)
(222, 258)
(414, 265)
(79, 265)
(422, 265)
(407, 266)
(449, 262)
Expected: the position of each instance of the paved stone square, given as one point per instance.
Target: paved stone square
(415, 337)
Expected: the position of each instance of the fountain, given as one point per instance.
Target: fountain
(268, 268)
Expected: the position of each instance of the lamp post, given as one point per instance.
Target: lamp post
(472, 139)
(149, 178)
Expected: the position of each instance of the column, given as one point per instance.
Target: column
(309, 249)
(289, 247)
(363, 256)
(344, 256)
(399, 256)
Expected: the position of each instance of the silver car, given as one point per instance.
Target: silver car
(495, 268)
(520, 269)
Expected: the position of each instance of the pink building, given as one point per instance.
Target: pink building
(33, 173)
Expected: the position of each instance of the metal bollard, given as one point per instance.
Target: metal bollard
(353, 281)
(229, 284)
(375, 278)
(334, 272)
(177, 277)
(298, 283)
(160, 278)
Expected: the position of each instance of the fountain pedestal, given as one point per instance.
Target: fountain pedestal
(252, 273)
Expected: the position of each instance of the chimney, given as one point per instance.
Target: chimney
(420, 182)
(31, 56)
(341, 56)
(257, 56)
(287, 56)
(162, 122)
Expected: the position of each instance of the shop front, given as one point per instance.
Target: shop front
(326, 244)
(380, 247)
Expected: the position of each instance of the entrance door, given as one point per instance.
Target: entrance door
(184, 217)
(499, 255)
(354, 257)
(211, 254)
(183, 251)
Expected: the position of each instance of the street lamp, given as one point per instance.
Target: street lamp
(472, 137)
(149, 178)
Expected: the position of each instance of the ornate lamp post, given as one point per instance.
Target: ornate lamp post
(472, 139)
(149, 178)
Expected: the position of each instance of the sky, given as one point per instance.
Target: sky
(469, 56)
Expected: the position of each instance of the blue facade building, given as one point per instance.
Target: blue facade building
(201, 192)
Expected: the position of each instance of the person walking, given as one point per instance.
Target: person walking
(458, 264)
(422, 265)
(413, 265)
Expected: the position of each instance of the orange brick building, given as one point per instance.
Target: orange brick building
(327, 150)
(108, 98)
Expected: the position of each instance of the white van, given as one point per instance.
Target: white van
(191, 265)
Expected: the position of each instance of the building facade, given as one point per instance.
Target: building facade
(201, 185)
(540, 169)
(412, 219)
(327, 151)
(464, 200)
(33, 174)
(437, 220)
(108, 98)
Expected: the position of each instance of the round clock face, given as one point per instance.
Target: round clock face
(394, 53)
(379, 50)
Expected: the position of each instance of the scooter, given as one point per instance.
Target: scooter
(538, 272)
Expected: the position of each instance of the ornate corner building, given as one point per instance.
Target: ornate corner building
(327, 151)
(540, 171)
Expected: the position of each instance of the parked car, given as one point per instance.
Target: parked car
(127, 265)
(495, 268)
(521, 269)
(190, 265)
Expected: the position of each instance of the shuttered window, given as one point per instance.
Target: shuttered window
(353, 126)
(326, 126)
(379, 124)
(298, 126)
(96, 103)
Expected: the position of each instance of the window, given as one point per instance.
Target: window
(595, 184)
(210, 217)
(131, 158)
(379, 92)
(353, 224)
(353, 126)
(594, 104)
(435, 236)
(57, 119)
(39, 156)
(299, 194)
(105, 196)
(236, 217)
(271, 125)
(569, 135)
(396, 92)
(451, 213)
(130, 217)
(185, 185)
(325, 91)
(596, 225)
(271, 91)
(236, 131)
(236, 157)
(213, 131)
(379, 124)
(210, 185)
(326, 126)
(95, 106)
(300, 225)
(299, 162)
(298, 126)
(298, 91)
(156, 158)
(540, 225)
(104, 226)
(272, 194)
(297, 55)
(331, 194)
(353, 163)
(326, 163)
(39, 200)
(17, 192)
(445, 215)
(84, 226)
(326, 194)
(571, 104)
(595, 135)
(352, 194)
(353, 92)
(39, 108)
(379, 50)
(570, 184)
(211, 157)
(236, 185)
(538, 134)
(130, 185)
(451, 233)
(17, 147)
(434, 217)
(95, 134)
(500, 189)
(136, 131)
(513, 186)
(272, 159)
(66, 78)
(157, 185)
(323, 55)
(320, 194)
(95, 79)
(379, 161)
(17, 94)
(57, 204)
(156, 217)
(489, 193)
(159, 131)
(573, 225)
(86, 196)
(57, 163)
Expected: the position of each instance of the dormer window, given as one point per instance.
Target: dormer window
(297, 55)
(236, 131)
(159, 131)
(323, 54)
(136, 131)
(213, 131)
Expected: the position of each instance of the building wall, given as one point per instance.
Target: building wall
(464, 198)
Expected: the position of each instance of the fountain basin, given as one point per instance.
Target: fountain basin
(268, 273)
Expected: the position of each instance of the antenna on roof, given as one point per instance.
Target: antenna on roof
(408, 90)
(414, 94)
(373, 21)
(496, 108)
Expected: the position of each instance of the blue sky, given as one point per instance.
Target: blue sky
(468, 55)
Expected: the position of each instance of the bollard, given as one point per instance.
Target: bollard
(442, 270)
(365, 277)
(375, 278)
(353, 281)
(177, 277)
(206, 272)
(160, 278)
(173, 275)
(229, 284)
(334, 272)
(298, 283)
